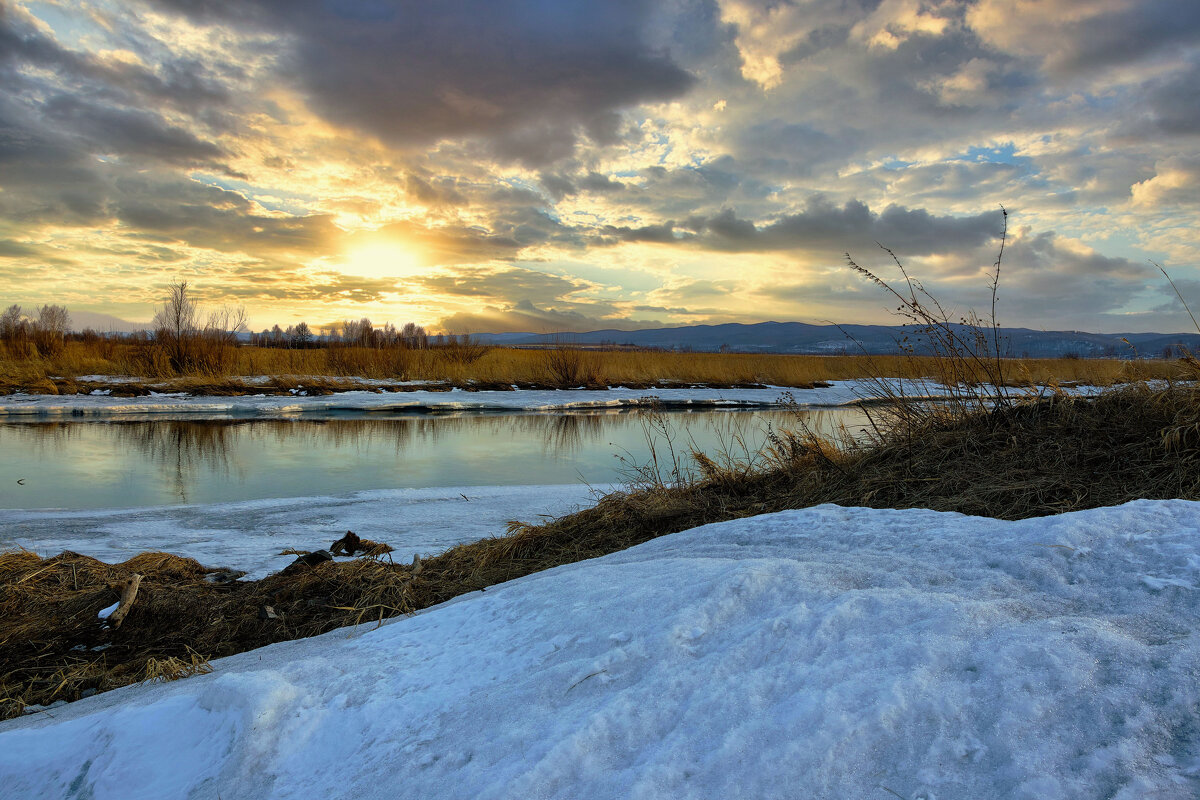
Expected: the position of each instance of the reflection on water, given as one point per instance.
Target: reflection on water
(113, 464)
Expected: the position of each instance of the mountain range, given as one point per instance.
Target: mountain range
(803, 338)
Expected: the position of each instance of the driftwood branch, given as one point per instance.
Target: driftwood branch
(127, 598)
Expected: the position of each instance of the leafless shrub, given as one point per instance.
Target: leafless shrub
(461, 350)
(188, 346)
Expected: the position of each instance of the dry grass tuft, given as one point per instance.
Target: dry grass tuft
(173, 668)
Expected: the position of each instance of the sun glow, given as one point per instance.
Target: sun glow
(383, 260)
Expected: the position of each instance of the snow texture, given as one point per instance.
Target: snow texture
(248, 535)
(826, 652)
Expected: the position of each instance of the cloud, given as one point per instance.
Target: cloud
(210, 217)
(514, 285)
(824, 227)
(1176, 181)
(530, 77)
(1070, 37)
(1174, 101)
(108, 130)
(11, 249)
(659, 159)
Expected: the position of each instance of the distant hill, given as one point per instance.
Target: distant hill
(104, 323)
(802, 338)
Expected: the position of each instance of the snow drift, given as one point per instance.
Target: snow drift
(826, 652)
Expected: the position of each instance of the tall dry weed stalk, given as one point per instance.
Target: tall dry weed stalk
(964, 359)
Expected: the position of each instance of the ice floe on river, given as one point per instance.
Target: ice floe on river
(825, 652)
(248, 535)
(17, 406)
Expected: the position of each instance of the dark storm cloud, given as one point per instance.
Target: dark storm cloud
(825, 227)
(666, 233)
(45, 175)
(529, 76)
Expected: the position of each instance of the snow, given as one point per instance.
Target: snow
(100, 405)
(107, 611)
(248, 535)
(824, 652)
(21, 406)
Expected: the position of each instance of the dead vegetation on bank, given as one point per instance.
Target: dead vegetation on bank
(1035, 456)
(258, 370)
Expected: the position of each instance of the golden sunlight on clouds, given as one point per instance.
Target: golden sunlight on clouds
(383, 259)
(489, 165)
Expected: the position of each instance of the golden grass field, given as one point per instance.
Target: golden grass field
(565, 367)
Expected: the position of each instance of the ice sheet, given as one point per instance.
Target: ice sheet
(249, 535)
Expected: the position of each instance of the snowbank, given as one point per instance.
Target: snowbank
(19, 406)
(249, 535)
(819, 653)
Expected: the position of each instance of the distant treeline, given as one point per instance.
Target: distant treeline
(348, 333)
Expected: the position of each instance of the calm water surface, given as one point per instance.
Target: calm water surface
(81, 465)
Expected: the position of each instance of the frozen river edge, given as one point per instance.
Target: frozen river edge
(19, 407)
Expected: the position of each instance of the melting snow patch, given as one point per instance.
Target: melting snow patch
(826, 652)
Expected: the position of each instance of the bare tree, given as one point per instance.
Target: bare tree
(50, 329)
(175, 324)
(54, 319)
(300, 336)
(414, 336)
(12, 324)
(225, 323)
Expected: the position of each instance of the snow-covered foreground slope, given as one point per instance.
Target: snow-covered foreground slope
(249, 535)
(817, 653)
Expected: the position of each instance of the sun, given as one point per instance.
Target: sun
(383, 260)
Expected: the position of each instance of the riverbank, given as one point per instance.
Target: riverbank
(1027, 459)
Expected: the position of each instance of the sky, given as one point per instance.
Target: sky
(557, 165)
